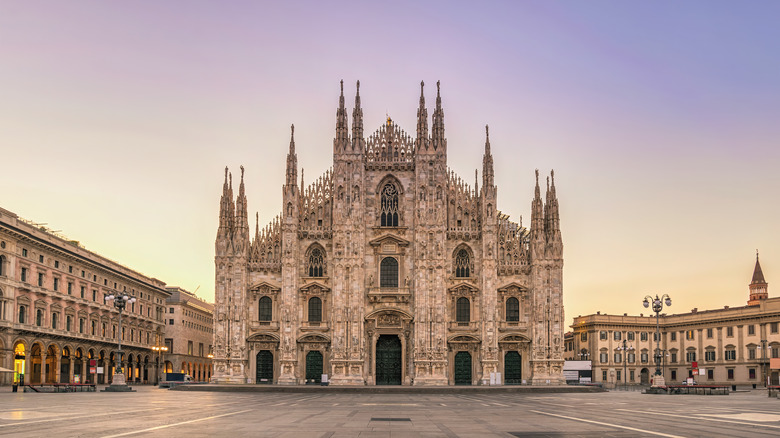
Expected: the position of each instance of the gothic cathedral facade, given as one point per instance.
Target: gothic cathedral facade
(389, 270)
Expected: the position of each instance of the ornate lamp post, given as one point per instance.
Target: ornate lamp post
(658, 305)
(160, 351)
(625, 349)
(118, 383)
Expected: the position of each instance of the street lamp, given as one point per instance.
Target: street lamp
(119, 383)
(658, 305)
(625, 349)
(160, 351)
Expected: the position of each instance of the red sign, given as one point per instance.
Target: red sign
(93, 370)
(92, 362)
(695, 365)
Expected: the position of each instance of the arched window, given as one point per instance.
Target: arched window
(22, 314)
(264, 313)
(316, 264)
(315, 309)
(462, 264)
(39, 317)
(388, 272)
(463, 310)
(389, 217)
(512, 310)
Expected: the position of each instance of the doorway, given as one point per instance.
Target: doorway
(463, 368)
(314, 367)
(388, 360)
(265, 367)
(513, 368)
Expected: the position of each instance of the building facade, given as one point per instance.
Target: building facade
(55, 325)
(389, 269)
(729, 346)
(189, 332)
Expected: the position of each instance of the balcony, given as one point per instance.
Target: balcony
(392, 295)
(471, 326)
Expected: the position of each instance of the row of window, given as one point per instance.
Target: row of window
(690, 335)
(84, 274)
(94, 330)
(23, 277)
(673, 374)
(388, 267)
(462, 309)
(690, 356)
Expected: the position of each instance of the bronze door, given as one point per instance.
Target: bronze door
(388, 360)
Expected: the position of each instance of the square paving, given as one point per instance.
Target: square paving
(162, 413)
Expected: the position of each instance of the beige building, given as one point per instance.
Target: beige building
(730, 346)
(55, 326)
(189, 333)
(389, 269)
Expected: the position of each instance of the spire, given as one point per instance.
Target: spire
(476, 182)
(422, 121)
(487, 163)
(292, 161)
(257, 225)
(357, 123)
(537, 220)
(758, 286)
(241, 216)
(758, 275)
(554, 216)
(437, 138)
(342, 137)
(225, 211)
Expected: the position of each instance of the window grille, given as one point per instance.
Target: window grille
(512, 310)
(388, 272)
(315, 309)
(264, 309)
(463, 310)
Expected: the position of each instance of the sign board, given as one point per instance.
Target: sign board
(585, 380)
(702, 371)
(694, 365)
(92, 370)
(689, 381)
(774, 363)
(100, 370)
(92, 363)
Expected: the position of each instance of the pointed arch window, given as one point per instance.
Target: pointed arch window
(389, 205)
(462, 264)
(316, 263)
(315, 309)
(463, 310)
(512, 310)
(388, 272)
(264, 312)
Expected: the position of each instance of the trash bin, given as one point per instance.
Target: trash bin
(754, 386)
(14, 388)
(734, 388)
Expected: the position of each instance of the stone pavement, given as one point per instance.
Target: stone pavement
(162, 413)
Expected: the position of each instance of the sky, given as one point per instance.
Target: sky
(661, 120)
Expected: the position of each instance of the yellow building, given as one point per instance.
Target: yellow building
(728, 346)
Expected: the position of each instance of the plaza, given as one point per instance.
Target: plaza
(156, 412)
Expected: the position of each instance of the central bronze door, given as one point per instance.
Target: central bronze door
(463, 368)
(388, 360)
(265, 367)
(513, 368)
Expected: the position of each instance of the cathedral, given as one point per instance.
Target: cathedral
(389, 269)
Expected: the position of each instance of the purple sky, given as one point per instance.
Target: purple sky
(661, 120)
